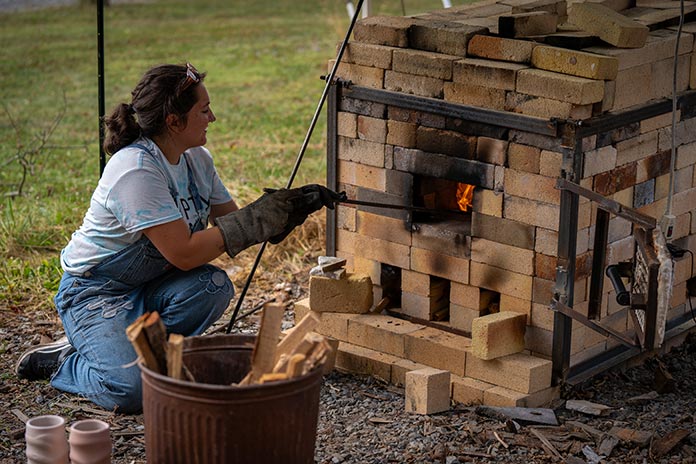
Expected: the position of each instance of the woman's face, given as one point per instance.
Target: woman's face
(197, 119)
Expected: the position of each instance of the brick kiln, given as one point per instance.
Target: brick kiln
(529, 143)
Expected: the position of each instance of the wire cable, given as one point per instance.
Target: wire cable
(668, 216)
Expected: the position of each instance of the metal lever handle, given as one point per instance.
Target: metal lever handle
(622, 296)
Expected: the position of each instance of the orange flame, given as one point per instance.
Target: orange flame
(465, 196)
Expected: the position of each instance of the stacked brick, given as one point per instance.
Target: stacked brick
(540, 58)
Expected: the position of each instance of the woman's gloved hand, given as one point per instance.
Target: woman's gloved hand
(273, 216)
(307, 199)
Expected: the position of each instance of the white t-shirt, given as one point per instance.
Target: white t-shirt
(141, 189)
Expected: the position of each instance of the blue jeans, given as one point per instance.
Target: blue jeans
(98, 306)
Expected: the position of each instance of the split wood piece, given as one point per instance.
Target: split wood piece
(303, 348)
(295, 336)
(664, 445)
(314, 347)
(663, 381)
(524, 416)
(330, 361)
(318, 354)
(333, 265)
(295, 365)
(379, 307)
(263, 358)
(548, 446)
(587, 407)
(157, 338)
(273, 377)
(136, 335)
(175, 347)
(635, 437)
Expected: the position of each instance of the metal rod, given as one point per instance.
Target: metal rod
(416, 209)
(100, 77)
(300, 156)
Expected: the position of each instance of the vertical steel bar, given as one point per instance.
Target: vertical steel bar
(567, 247)
(332, 163)
(100, 78)
(598, 260)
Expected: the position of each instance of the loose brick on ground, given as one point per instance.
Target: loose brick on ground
(427, 391)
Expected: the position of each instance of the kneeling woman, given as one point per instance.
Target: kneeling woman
(145, 243)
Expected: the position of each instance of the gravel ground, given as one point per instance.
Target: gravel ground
(362, 420)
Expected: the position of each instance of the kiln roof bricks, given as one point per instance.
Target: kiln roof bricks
(500, 48)
(527, 24)
(575, 63)
(608, 25)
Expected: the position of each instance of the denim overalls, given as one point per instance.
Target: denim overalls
(97, 307)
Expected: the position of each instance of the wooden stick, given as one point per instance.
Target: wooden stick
(303, 348)
(175, 347)
(263, 358)
(157, 338)
(138, 339)
(295, 365)
(273, 377)
(548, 446)
(294, 337)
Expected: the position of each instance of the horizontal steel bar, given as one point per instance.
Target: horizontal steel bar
(606, 331)
(609, 205)
(617, 119)
(505, 119)
(416, 209)
(613, 357)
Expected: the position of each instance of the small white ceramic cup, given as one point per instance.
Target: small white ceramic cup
(90, 442)
(46, 440)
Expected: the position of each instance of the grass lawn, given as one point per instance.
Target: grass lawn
(263, 59)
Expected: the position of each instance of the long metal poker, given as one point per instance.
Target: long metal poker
(300, 156)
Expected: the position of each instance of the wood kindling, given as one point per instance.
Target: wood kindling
(148, 335)
(296, 354)
(299, 352)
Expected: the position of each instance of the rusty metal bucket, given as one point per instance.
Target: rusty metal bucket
(210, 421)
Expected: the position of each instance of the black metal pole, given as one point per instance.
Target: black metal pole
(300, 156)
(100, 76)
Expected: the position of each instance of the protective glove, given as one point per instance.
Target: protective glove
(308, 199)
(256, 222)
(272, 217)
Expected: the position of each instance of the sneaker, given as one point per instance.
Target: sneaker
(41, 361)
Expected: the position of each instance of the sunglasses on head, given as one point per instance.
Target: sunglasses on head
(192, 77)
